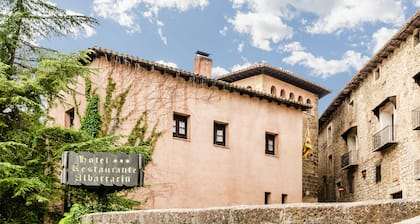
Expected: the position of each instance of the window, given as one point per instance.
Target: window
(180, 126)
(69, 119)
(283, 93)
(267, 198)
(349, 159)
(330, 165)
(283, 198)
(308, 101)
(385, 136)
(329, 134)
(397, 195)
(378, 174)
(300, 99)
(219, 137)
(377, 74)
(291, 96)
(249, 87)
(270, 143)
(351, 111)
(416, 78)
(350, 180)
(273, 90)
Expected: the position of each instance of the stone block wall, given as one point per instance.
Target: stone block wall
(310, 177)
(388, 211)
(397, 163)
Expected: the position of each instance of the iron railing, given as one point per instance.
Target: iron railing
(384, 138)
(349, 159)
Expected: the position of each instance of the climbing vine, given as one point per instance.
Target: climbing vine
(91, 122)
(101, 129)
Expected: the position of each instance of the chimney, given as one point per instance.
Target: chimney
(202, 64)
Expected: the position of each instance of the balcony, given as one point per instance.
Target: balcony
(415, 117)
(384, 138)
(349, 159)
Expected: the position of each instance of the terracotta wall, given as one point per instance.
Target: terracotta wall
(193, 172)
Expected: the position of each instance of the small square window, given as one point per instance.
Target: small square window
(219, 137)
(270, 143)
(179, 129)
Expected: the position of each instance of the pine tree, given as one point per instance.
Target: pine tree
(31, 77)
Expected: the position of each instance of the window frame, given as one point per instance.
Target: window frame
(378, 173)
(267, 198)
(270, 136)
(69, 117)
(222, 127)
(377, 74)
(329, 134)
(177, 118)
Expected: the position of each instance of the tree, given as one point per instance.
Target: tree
(30, 78)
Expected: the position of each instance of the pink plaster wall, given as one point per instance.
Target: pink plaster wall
(193, 172)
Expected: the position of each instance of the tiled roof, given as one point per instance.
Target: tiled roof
(387, 49)
(277, 73)
(188, 76)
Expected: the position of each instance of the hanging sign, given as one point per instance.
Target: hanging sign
(102, 169)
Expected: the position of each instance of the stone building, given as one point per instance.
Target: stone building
(369, 134)
(236, 139)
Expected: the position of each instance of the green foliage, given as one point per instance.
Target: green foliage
(31, 78)
(28, 173)
(91, 122)
(22, 21)
(76, 212)
(137, 142)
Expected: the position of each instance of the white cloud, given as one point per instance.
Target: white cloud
(380, 37)
(120, 11)
(241, 66)
(126, 12)
(167, 63)
(265, 21)
(347, 14)
(294, 46)
(240, 47)
(263, 28)
(320, 66)
(218, 71)
(223, 31)
(417, 3)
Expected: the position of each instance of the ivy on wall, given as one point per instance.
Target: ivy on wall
(91, 122)
(102, 130)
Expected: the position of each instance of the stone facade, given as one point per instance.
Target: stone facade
(310, 177)
(369, 134)
(382, 212)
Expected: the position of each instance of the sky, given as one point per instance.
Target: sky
(323, 41)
